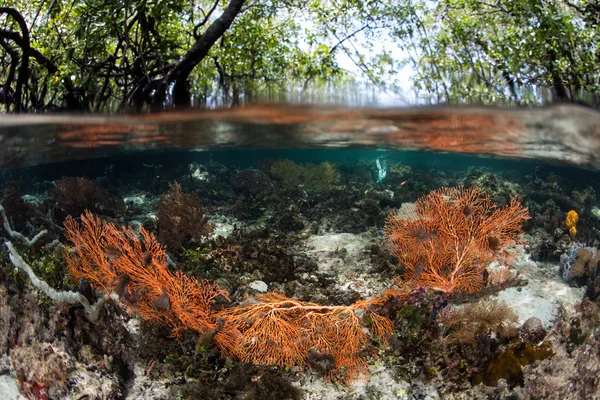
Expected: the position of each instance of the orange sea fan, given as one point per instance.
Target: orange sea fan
(451, 236)
(275, 330)
(117, 260)
(278, 330)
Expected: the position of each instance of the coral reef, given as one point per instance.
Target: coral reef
(73, 195)
(252, 181)
(275, 330)
(579, 266)
(467, 323)
(281, 282)
(181, 219)
(313, 178)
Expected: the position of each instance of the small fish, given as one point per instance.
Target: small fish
(420, 234)
(133, 297)
(445, 270)
(112, 252)
(86, 289)
(486, 277)
(423, 237)
(418, 268)
(163, 303)
(206, 337)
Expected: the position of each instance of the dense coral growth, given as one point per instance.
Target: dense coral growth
(451, 235)
(116, 260)
(278, 330)
(252, 181)
(316, 178)
(275, 330)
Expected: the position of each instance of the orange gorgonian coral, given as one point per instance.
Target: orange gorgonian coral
(117, 261)
(451, 235)
(276, 330)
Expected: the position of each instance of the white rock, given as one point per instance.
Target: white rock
(543, 295)
(136, 200)
(259, 286)
(9, 389)
(351, 268)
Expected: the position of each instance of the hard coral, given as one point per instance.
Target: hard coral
(251, 181)
(315, 178)
(579, 264)
(41, 368)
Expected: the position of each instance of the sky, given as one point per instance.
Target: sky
(402, 78)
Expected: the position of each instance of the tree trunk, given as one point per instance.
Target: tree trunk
(25, 48)
(180, 73)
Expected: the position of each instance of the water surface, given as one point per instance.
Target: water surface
(559, 134)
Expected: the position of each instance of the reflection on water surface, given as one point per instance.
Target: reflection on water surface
(563, 134)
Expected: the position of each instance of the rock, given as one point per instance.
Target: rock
(259, 286)
(544, 295)
(533, 330)
(134, 200)
(9, 389)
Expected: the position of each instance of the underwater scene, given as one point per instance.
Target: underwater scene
(301, 252)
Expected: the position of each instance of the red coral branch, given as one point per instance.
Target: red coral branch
(451, 236)
(116, 260)
(278, 330)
